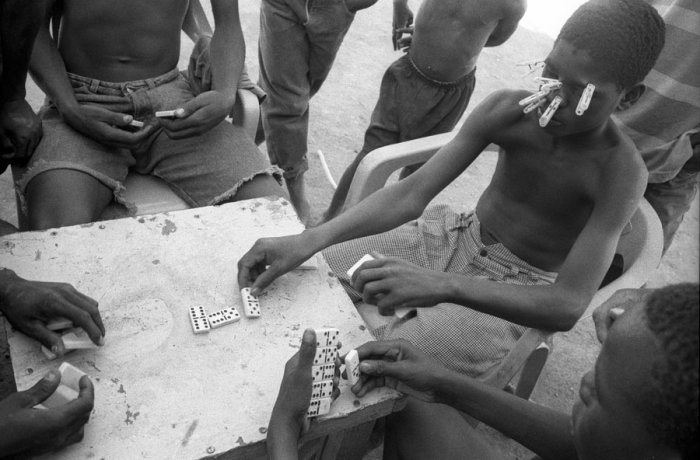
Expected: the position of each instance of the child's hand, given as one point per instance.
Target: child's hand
(403, 19)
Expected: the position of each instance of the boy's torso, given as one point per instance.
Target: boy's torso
(119, 41)
(450, 34)
(543, 191)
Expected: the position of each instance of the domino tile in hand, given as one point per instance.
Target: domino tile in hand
(67, 390)
(362, 260)
(322, 372)
(352, 366)
(325, 355)
(322, 389)
(222, 317)
(77, 339)
(319, 407)
(327, 337)
(198, 319)
(251, 304)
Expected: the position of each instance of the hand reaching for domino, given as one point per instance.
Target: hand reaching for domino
(359, 266)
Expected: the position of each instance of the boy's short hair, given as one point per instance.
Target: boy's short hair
(672, 315)
(623, 36)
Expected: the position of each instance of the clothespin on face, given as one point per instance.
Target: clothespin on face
(549, 113)
(585, 99)
(534, 105)
(535, 100)
(532, 66)
(548, 83)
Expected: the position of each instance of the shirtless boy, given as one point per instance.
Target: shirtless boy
(116, 62)
(426, 91)
(544, 231)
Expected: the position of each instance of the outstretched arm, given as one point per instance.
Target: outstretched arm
(400, 365)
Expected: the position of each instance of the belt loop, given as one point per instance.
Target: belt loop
(94, 85)
(151, 83)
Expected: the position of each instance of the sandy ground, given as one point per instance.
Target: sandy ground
(339, 115)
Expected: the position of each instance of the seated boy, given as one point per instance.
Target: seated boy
(544, 232)
(117, 62)
(426, 91)
(639, 402)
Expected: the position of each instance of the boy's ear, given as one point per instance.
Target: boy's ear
(631, 96)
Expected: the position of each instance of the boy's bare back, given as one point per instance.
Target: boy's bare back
(121, 41)
(450, 34)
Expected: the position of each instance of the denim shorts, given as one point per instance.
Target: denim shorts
(203, 170)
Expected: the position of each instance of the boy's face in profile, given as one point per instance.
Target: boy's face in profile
(607, 420)
(575, 69)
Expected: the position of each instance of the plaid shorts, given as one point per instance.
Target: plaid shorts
(442, 240)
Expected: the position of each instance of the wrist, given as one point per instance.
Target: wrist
(7, 277)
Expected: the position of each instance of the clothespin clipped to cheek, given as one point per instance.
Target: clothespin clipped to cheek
(549, 113)
(585, 99)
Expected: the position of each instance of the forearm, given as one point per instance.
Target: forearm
(548, 307)
(49, 72)
(19, 23)
(382, 211)
(540, 429)
(282, 439)
(227, 50)
(7, 278)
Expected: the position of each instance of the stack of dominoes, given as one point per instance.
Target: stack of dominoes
(74, 338)
(203, 322)
(323, 371)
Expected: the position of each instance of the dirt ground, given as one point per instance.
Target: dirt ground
(339, 115)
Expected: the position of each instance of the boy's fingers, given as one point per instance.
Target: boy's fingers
(41, 390)
(47, 338)
(83, 404)
(307, 351)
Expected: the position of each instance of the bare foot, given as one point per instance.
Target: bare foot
(297, 195)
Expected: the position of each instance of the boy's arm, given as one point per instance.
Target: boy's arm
(196, 23)
(227, 54)
(400, 365)
(384, 210)
(513, 11)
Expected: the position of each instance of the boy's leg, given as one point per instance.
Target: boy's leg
(70, 179)
(424, 430)
(219, 166)
(283, 53)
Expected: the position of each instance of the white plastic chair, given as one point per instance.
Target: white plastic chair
(640, 245)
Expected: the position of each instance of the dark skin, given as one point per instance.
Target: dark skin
(556, 200)
(449, 34)
(20, 128)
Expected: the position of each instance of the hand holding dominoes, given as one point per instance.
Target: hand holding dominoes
(395, 364)
(72, 338)
(28, 304)
(392, 302)
(61, 423)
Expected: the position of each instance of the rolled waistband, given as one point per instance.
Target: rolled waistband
(458, 82)
(127, 86)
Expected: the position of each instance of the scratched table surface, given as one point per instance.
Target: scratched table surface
(162, 391)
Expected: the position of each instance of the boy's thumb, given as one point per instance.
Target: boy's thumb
(41, 389)
(307, 351)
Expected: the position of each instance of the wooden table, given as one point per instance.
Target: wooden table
(161, 391)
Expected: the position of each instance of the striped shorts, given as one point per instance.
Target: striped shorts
(460, 338)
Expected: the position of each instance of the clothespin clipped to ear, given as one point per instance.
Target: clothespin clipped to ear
(585, 99)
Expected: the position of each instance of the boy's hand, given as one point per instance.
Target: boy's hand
(403, 19)
(198, 115)
(106, 127)
(29, 305)
(399, 365)
(20, 125)
(390, 283)
(605, 315)
(28, 431)
(268, 259)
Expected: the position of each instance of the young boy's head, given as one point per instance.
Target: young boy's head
(641, 399)
(611, 44)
